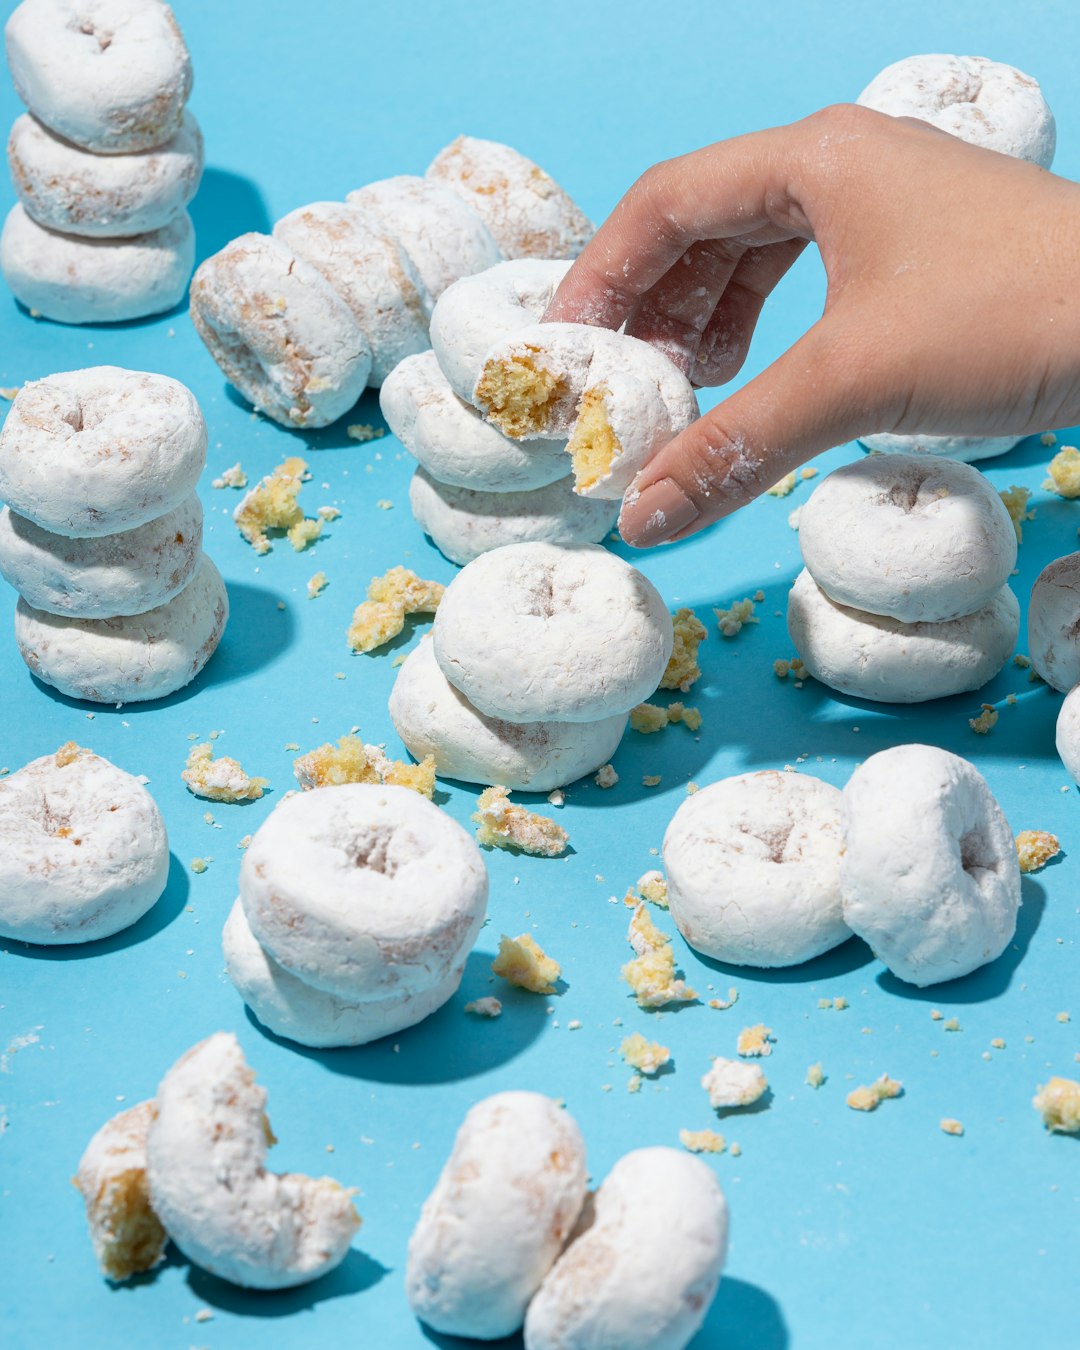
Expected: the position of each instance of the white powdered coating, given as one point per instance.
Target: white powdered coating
(295, 1010)
(280, 332)
(76, 280)
(364, 891)
(538, 632)
(929, 877)
(369, 272)
(1067, 735)
(110, 75)
(129, 659)
(753, 869)
(478, 311)
(731, 1083)
(913, 538)
(443, 236)
(83, 850)
(528, 213)
(504, 1204)
(984, 102)
(452, 441)
(115, 1155)
(434, 718)
(115, 574)
(464, 523)
(206, 1155)
(874, 657)
(107, 196)
(1054, 623)
(966, 449)
(644, 1274)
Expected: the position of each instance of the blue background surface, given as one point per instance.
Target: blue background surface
(847, 1229)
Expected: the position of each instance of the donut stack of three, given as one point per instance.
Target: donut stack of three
(904, 597)
(105, 162)
(102, 534)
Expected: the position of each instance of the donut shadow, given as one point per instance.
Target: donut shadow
(169, 905)
(365, 412)
(114, 325)
(850, 955)
(356, 1273)
(444, 1342)
(1030, 452)
(742, 1317)
(226, 205)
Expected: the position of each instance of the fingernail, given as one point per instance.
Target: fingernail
(655, 514)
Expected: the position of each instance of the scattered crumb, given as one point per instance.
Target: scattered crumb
(986, 720)
(1035, 848)
(1058, 1102)
(1048, 438)
(652, 887)
(204, 1314)
(935, 1015)
(722, 1004)
(557, 797)
(793, 518)
(351, 761)
(1016, 500)
(702, 1141)
(1024, 662)
(953, 1024)
(1063, 1017)
(809, 472)
(840, 1003)
(869, 1098)
(682, 668)
(732, 619)
(794, 666)
(385, 504)
(690, 717)
(736, 1150)
(998, 1043)
(220, 780)
(730, 1083)
(605, 776)
(633, 1083)
(951, 1126)
(815, 1075)
(199, 864)
(523, 962)
(317, 585)
(755, 1040)
(231, 478)
(390, 598)
(651, 975)
(8, 392)
(785, 486)
(651, 780)
(484, 1007)
(647, 718)
(1064, 471)
(244, 841)
(272, 505)
(503, 824)
(364, 431)
(647, 1057)
(328, 513)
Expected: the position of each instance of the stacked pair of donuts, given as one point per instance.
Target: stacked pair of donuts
(102, 534)
(303, 320)
(105, 162)
(904, 597)
(539, 651)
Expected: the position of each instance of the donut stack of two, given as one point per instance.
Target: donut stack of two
(102, 534)
(105, 162)
(303, 320)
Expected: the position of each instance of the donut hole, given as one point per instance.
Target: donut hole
(374, 851)
(593, 445)
(519, 395)
(976, 855)
(904, 492)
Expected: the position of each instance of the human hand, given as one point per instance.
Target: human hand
(953, 302)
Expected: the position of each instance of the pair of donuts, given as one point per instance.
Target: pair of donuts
(105, 162)
(904, 593)
(302, 320)
(538, 653)
(102, 534)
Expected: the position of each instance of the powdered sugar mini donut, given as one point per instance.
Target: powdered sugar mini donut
(83, 849)
(929, 875)
(1068, 733)
(538, 632)
(871, 656)
(453, 442)
(76, 280)
(968, 449)
(463, 524)
(644, 1273)
(369, 272)
(205, 1162)
(910, 537)
(116, 574)
(129, 659)
(527, 212)
(503, 1206)
(1053, 627)
(476, 312)
(126, 1233)
(364, 891)
(985, 102)
(110, 75)
(434, 718)
(66, 188)
(753, 869)
(442, 235)
(85, 453)
(279, 332)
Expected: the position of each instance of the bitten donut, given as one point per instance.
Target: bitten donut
(476, 312)
(91, 452)
(1067, 733)
(76, 280)
(967, 449)
(442, 235)
(617, 399)
(279, 332)
(205, 1162)
(874, 657)
(929, 876)
(115, 574)
(129, 659)
(985, 102)
(126, 1233)
(463, 524)
(538, 632)
(452, 441)
(644, 1273)
(65, 188)
(434, 718)
(528, 213)
(363, 891)
(369, 272)
(290, 1008)
(83, 849)
(909, 537)
(1054, 623)
(753, 869)
(110, 75)
(503, 1206)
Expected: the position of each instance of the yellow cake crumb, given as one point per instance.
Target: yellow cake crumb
(808, 472)
(1048, 438)
(722, 1004)
(689, 717)
(385, 504)
(651, 780)
(391, 597)
(419, 777)
(351, 761)
(815, 1075)
(605, 776)
(199, 865)
(755, 1041)
(484, 1007)
(651, 974)
(364, 431)
(303, 533)
(702, 1141)
(731, 620)
(647, 718)
(220, 780)
(793, 666)
(8, 392)
(953, 1024)
(633, 1083)
(518, 393)
(231, 478)
(68, 753)
(736, 1150)
(651, 886)
(951, 1126)
(682, 668)
(1058, 1102)
(272, 505)
(648, 1057)
(317, 585)
(1035, 848)
(1063, 1017)
(785, 486)
(328, 513)
(998, 1043)
(503, 824)
(1016, 499)
(870, 1098)
(985, 721)
(593, 445)
(1064, 471)
(523, 962)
